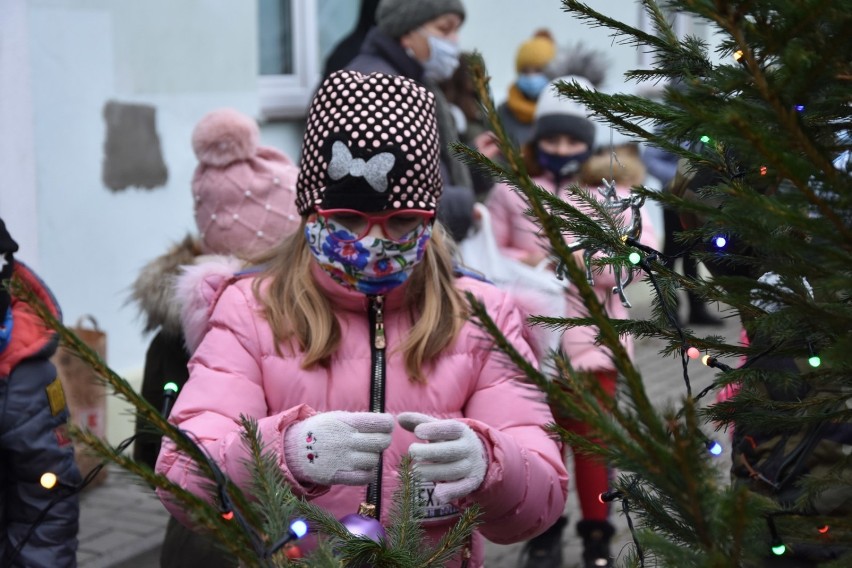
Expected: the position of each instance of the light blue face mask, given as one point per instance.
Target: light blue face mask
(532, 84)
(443, 59)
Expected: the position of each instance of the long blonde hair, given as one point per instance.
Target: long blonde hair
(300, 315)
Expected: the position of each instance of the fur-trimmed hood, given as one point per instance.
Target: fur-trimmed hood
(153, 291)
(173, 291)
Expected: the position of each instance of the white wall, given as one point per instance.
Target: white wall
(176, 56)
(18, 196)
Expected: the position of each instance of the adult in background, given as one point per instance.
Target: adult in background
(517, 111)
(419, 40)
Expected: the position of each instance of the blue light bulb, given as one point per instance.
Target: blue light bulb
(720, 241)
(299, 528)
(714, 448)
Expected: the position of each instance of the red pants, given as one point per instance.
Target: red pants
(591, 476)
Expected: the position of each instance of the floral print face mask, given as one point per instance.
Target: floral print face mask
(369, 265)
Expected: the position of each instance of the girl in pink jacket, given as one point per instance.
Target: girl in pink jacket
(561, 145)
(351, 346)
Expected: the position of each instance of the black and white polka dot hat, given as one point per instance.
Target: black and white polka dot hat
(371, 144)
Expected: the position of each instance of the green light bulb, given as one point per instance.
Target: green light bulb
(634, 258)
(779, 549)
(170, 386)
(705, 139)
(814, 361)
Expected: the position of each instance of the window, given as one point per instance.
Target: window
(292, 47)
(289, 61)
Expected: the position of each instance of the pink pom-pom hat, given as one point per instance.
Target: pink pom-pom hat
(244, 193)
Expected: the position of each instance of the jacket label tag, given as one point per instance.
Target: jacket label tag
(430, 507)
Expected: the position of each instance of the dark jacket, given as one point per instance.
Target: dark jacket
(34, 440)
(383, 54)
(167, 357)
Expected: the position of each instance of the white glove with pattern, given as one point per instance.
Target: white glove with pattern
(337, 448)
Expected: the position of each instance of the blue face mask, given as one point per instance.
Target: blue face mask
(443, 59)
(532, 84)
(562, 166)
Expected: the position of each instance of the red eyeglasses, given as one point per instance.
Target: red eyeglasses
(401, 226)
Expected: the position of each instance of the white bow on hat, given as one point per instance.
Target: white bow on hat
(374, 171)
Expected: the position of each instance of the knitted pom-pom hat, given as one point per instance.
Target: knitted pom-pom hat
(371, 144)
(244, 193)
(536, 52)
(555, 114)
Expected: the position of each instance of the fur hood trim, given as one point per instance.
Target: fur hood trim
(153, 290)
(197, 288)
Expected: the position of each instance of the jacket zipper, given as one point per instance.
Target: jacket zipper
(377, 386)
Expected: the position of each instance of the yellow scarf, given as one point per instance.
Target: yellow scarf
(522, 107)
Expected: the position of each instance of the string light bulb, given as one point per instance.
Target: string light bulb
(775, 543)
(48, 480)
(705, 139)
(823, 529)
(814, 361)
(738, 55)
(800, 108)
(763, 170)
(720, 241)
(609, 496)
(693, 353)
(171, 386)
(229, 515)
(299, 528)
(634, 257)
(714, 447)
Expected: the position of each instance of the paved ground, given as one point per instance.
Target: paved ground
(122, 522)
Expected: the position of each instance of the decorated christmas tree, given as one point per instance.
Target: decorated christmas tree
(763, 189)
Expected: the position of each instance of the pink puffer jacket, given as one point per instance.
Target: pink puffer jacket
(517, 235)
(235, 371)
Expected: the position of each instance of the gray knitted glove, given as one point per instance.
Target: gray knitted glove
(337, 448)
(454, 458)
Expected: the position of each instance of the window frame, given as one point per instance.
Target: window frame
(288, 96)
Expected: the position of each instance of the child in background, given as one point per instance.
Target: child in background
(517, 112)
(244, 197)
(561, 144)
(33, 436)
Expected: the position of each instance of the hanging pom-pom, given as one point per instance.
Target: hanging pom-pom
(225, 136)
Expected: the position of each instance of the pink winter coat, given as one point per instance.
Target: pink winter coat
(517, 235)
(235, 370)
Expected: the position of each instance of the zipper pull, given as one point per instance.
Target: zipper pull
(379, 341)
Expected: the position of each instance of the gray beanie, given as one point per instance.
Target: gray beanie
(556, 114)
(398, 17)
